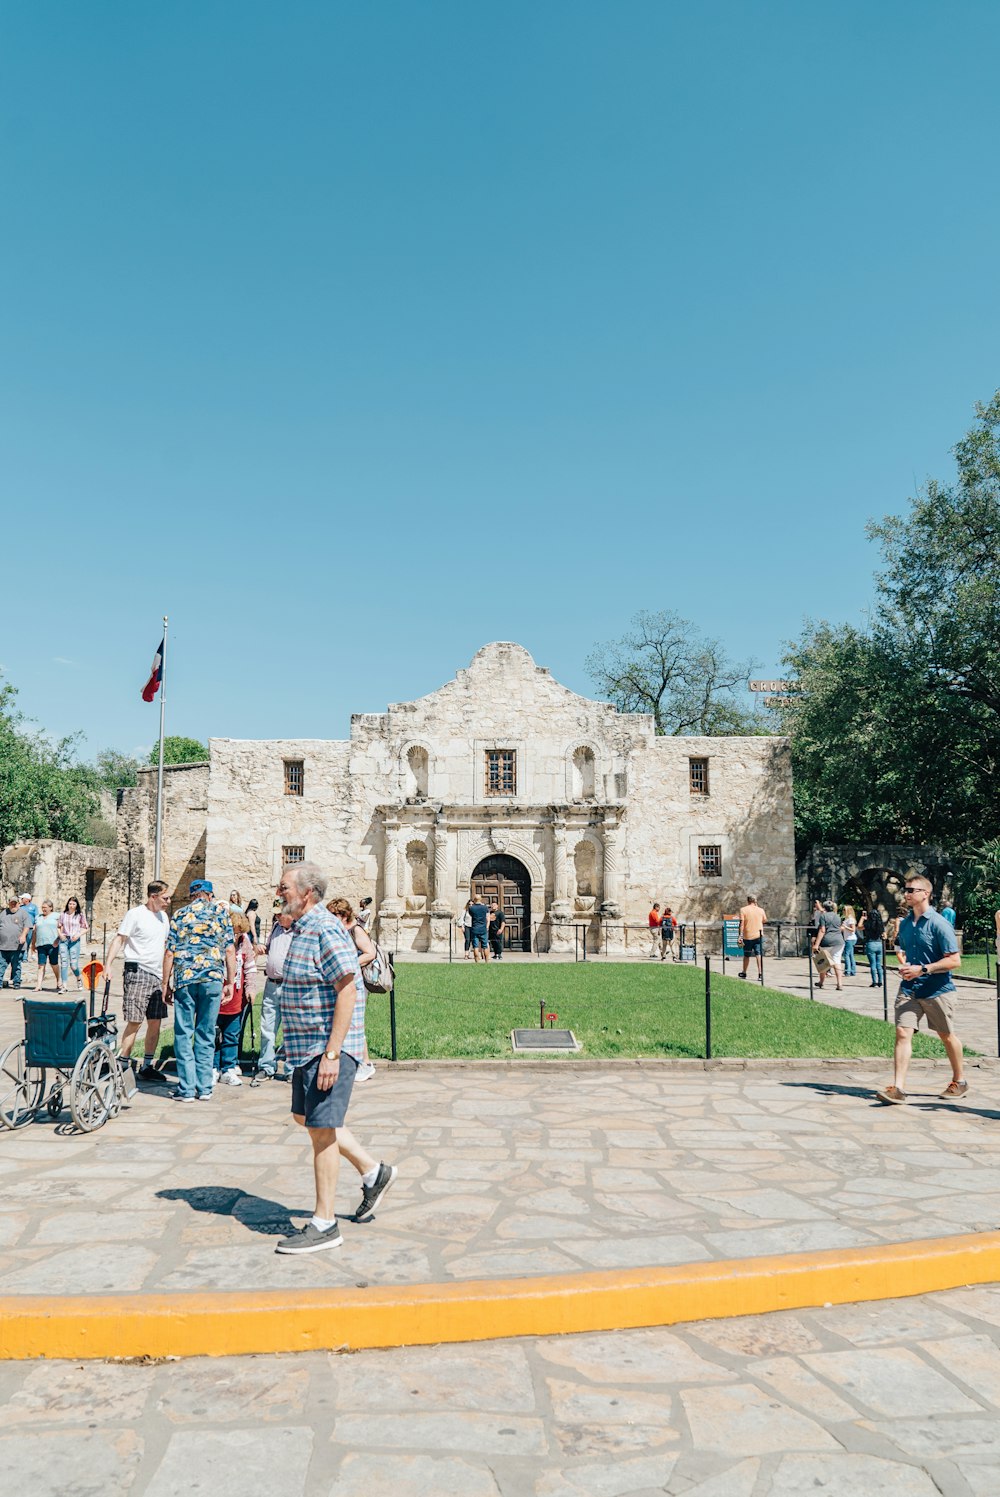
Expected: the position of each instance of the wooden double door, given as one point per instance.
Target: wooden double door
(507, 881)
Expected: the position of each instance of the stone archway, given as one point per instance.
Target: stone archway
(506, 880)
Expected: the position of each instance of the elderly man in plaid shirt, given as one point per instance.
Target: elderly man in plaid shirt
(323, 1017)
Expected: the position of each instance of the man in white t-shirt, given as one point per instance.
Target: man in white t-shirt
(143, 936)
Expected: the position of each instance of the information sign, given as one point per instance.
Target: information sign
(731, 935)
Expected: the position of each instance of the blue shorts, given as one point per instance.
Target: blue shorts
(479, 940)
(751, 946)
(323, 1109)
(48, 954)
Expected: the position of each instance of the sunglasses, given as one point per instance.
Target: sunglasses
(912, 889)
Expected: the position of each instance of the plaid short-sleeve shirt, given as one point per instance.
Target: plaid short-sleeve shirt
(320, 954)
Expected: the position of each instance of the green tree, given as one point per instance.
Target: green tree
(43, 792)
(115, 770)
(666, 667)
(179, 751)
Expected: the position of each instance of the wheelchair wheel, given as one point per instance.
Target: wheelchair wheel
(22, 1087)
(93, 1091)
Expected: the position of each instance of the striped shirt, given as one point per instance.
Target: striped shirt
(320, 954)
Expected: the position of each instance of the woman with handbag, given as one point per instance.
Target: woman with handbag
(365, 947)
(828, 944)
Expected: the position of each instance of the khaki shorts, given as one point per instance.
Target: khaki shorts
(939, 1012)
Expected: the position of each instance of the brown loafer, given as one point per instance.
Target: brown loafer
(954, 1089)
(891, 1094)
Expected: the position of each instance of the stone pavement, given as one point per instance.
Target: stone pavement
(899, 1398)
(505, 1170)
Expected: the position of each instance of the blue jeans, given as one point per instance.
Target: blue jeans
(69, 956)
(13, 960)
(196, 1009)
(874, 953)
(270, 1018)
(228, 1054)
(850, 966)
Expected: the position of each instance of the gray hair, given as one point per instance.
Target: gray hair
(306, 876)
(829, 906)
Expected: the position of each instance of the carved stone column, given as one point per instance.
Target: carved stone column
(611, 914)
(560, 934)
(442, 911)
(392, 903)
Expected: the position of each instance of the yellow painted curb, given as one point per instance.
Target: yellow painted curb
(224, 1324)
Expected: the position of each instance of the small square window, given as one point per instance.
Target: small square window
(698, 776)
(710, 862)
(501, 771)
(292, 855)
(294, 776)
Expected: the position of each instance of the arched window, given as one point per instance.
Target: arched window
(585, 862)
(584, 775)
(416, 867)
(416, 773)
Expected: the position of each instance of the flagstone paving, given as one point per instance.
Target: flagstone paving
(901, 1397)
(502, 1172)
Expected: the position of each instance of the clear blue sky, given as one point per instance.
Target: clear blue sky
(356, 335)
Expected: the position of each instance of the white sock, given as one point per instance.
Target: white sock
(371, 1176)
(321, 1225)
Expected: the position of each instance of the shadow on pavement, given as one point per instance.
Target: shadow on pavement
(922, 1102)
(257, 1214)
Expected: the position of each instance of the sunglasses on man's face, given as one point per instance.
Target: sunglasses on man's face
(912, 889)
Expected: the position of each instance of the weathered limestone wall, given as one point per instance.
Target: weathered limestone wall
(185, 813)
(97, 876)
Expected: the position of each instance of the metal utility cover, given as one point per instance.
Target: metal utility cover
(544, 1039)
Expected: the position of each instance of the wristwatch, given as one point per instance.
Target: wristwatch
(925, 970)
(332, 1054)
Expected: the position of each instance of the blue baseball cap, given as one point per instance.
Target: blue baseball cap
(200, 886)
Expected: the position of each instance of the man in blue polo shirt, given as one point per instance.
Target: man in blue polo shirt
(928, 953)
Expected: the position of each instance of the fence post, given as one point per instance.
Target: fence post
(392, 1007)
(885, 982)
(809, 959)
(584, 941)
(778, 952)
(708, 1008)
(997, 971)
(761, 973)
(451, 932)
(695, 939)
(986, 948)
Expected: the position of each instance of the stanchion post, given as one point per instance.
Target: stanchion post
(778, 953)
(760, 975)
(392, 1007)
(809, 959)
(986, 948)
(997, 971)
(91, 978)
(451, 934)
(583, 941)
(885, 982)
(708, 1008)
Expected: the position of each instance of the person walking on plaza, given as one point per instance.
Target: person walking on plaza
(479, 934)
(226, 1067)
(849, 931)
(495, 929)
(45, 938)
(201, 959)
(872, 931)
(928, 951)
(344, 912)
(667, 926)
(142, 935)
(13, 939)
(467, 929)
(323, 1013)
(275, 951)
(30, 908)
(72, 929)
(752, 922)
(828, 941)
(654, 931)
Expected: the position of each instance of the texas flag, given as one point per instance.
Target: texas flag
(152, 686)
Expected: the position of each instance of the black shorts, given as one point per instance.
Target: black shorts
(323, 1109)
(751, 946)
(666, 935)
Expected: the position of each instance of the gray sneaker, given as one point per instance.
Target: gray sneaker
(311, 1240)
(371, 1195)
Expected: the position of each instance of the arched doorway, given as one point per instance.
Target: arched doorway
(506, 880)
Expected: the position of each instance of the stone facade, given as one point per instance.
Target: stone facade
(104, 880)
(601, 816)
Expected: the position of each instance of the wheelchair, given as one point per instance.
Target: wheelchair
(80, 1047)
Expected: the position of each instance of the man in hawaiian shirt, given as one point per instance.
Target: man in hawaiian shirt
(201, 959)
(323, 1018)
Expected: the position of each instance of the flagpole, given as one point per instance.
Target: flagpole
(159, 772)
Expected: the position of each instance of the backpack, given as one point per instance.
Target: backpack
(378, 976)
(874, 927)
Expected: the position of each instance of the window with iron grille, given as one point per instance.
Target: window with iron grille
(294, 776)
(698, 776)
(293, 855)
(710, 862)
(501, 771)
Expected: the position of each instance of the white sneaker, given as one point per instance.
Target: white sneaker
(365, 1071)
(215, 1075)
(232, 1078)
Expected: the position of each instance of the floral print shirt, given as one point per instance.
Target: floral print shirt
(200, 935)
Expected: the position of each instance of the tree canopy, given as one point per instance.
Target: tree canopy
(665, 666)
(178, 751)
(43, 793)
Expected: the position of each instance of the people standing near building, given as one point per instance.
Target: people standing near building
(654, 931)
(30, 908)
(45, 939)
(276, 949)
(849, 931)
(201, 960)
(829, 941)
(253, 915)
(142, 936)
(928, 951)
(72, 929)
(344, 912)
(497, 921)
(479, 912)
(667, 927)
(752, 922)
(13, 939)
(226, 1068)
(467, 930)
(872, 931)
(323, 1013)
(948, 912)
